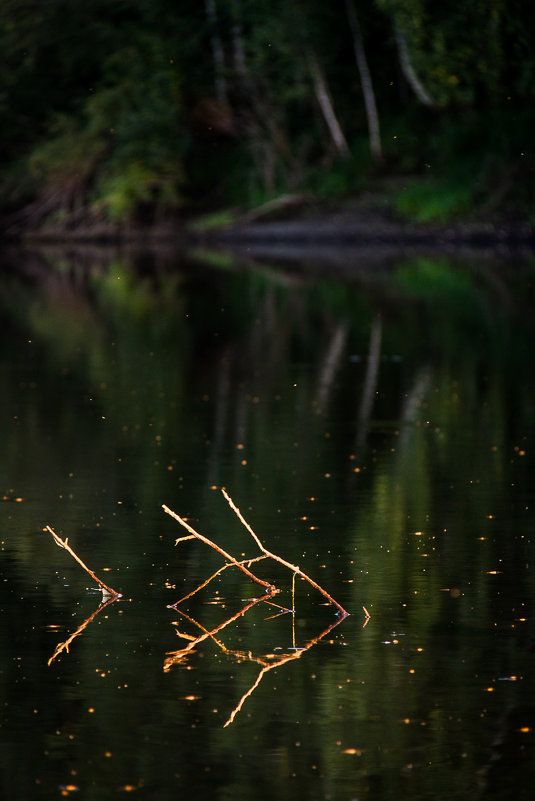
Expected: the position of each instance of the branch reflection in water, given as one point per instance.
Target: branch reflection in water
(268, 661)
(64, 646)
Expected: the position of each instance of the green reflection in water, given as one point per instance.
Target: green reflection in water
(378, 433)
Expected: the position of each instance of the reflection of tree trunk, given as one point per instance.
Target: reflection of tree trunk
(413, 403)
(370, 382)
(330, 364)
(217, 51)
(323, 96)
(415, 396)
(221, 415)
(408, 70)
(365, 82)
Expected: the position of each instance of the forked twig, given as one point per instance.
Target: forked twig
(270, 589)
(65, 545)
(279, 559)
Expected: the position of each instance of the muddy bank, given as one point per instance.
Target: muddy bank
(344, 227)
(295, 226)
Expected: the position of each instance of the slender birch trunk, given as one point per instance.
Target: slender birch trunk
(323, 96)
(365, 82)
(408, 70)
(238, 46)
(217, 52)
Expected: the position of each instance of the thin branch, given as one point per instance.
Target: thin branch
(270, 589)
(279, 559)
(65, 545)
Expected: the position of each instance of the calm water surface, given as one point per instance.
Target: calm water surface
(378, 433)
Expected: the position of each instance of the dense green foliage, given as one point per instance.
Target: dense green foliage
(132, 110)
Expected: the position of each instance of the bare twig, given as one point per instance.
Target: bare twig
(270, 589)
(65, 545)
(279, 559)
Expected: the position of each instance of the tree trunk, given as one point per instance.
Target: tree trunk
(237, 39)
(323, 97)
(365, 82)
(408, 70)
(217, 52)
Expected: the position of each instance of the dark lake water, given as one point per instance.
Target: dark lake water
(376, 431)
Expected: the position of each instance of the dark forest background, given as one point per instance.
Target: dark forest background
(148, 110)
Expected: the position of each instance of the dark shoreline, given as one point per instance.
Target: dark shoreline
(347, 225)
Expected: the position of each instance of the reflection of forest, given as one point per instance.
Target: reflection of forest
(169, 359)
(388, 423)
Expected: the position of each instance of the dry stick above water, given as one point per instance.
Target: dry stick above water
(271, 589)
(279, 559)
(65, 544)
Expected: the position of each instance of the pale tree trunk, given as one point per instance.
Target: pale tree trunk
(237, 39)
(408, 71)
(365, 82)
(217, 52)
(323, 96)
(267, 138)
